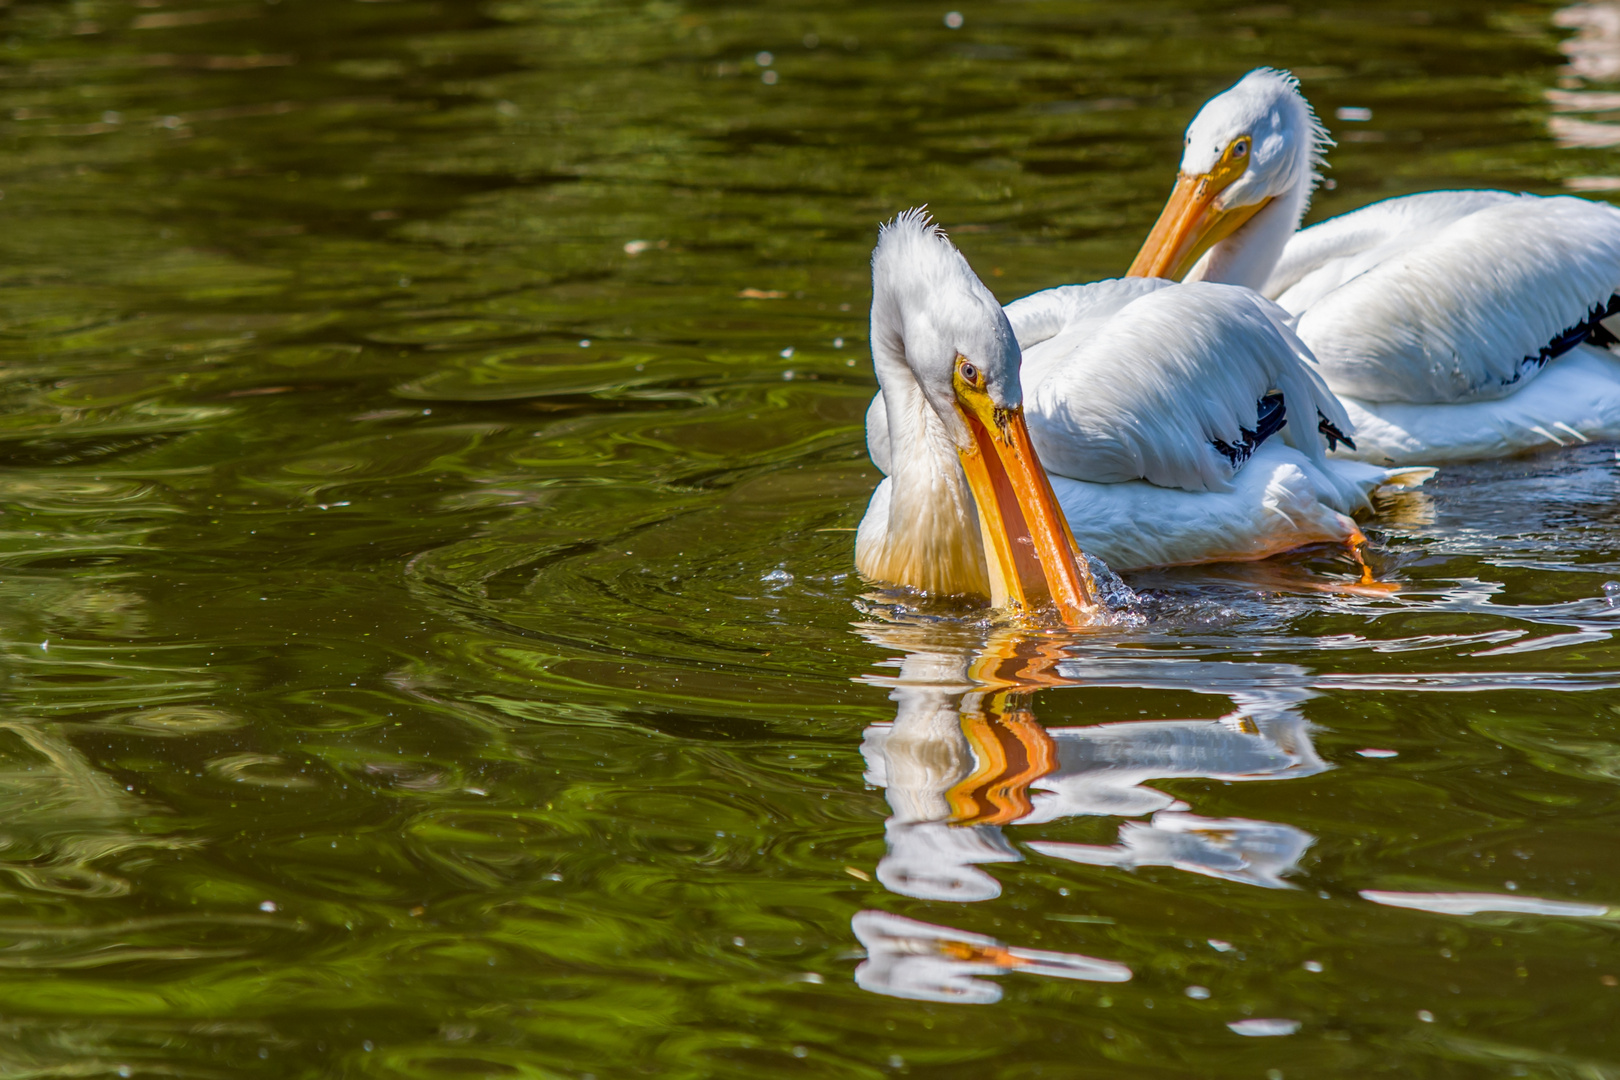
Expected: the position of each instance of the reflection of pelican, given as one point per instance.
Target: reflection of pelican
(1103, 769)
(910, 959)
(956, 762)
(964, 756)
(1250, 852)
(1153, 404)
(1456, 324)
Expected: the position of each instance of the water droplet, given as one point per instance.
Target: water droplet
(1198, 993)
(267, 905)
(764, 59)
(954, 20)
(1313, 965)
(1426, 1016)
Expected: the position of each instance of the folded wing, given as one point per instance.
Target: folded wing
(1450, 296)
(1178, 385)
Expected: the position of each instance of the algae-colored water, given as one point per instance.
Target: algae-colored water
(429, 438)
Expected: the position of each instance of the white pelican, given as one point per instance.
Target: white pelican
(1153, 404)
(1454, 324)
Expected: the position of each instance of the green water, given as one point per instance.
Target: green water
(431, 641)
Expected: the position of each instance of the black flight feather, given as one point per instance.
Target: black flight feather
(1270, 415)
(1589, 329)
(1331, 432)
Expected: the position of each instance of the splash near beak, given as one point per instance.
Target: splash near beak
(1033, 559)
(1190, 225)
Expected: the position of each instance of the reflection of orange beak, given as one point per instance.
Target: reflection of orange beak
(1190, 225)
(1033, 559)
(1011, 751)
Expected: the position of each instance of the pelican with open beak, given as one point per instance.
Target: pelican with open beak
(967, 508)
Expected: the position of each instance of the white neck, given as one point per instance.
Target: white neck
(1248, 256)
(932, 541)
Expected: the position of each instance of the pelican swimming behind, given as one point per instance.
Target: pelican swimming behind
(1454, 324)
(1159, 410)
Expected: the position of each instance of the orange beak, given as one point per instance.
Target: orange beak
(1190, 225)
(1033, 559)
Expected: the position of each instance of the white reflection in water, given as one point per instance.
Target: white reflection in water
(1480, 903)
(1594, 51)
(1594, 55)
(1234, 849)
(1261, 1028)
(964, 757)
(910, 959)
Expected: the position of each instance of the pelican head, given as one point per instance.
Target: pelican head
(948, 363)
(1253, 149)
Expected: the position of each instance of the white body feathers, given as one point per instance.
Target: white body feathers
(1128, 383)
(1449, 296)
(1142, 389)
(1428, 314)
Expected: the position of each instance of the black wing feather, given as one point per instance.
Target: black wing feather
(1589, 329)
(1271, 413)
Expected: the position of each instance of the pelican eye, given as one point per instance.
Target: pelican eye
(1239, 149)
(969, 373)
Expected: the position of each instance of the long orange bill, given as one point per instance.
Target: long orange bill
(1189, 226)
(1032, 556)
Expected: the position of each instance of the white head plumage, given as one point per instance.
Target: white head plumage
(1287, 144)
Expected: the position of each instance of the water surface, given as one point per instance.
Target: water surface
(429, 448)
